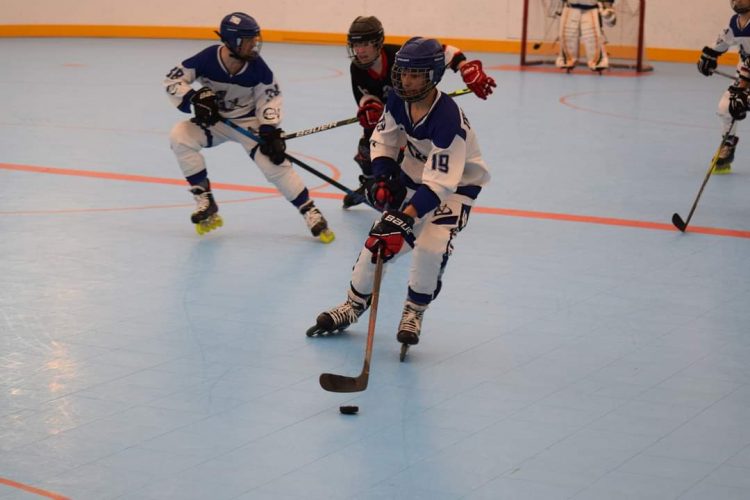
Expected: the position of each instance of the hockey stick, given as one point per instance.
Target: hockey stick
(247, 133)
(321, 128)
(676, 219)
(725, 75)
(341, 383)
(349, 121)
(359, 198)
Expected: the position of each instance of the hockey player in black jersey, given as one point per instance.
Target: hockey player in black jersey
(372, 61)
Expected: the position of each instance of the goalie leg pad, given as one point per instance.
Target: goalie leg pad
(593, 40)
(569, 30)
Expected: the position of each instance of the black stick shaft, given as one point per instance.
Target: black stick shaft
(341, 383)
(333, 182)
(349, 121)
(320, 128)
(327, 179)
(676, 219)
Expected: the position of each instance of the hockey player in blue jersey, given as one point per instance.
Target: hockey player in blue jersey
(236, 84)
(426, 199)
(370, 69)
(734, 101)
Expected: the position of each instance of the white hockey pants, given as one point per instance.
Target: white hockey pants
(434, 234)
(187, 139)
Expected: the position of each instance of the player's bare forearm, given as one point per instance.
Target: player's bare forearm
(411, 211)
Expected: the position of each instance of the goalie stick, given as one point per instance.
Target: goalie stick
(676, 219)
(341, 383)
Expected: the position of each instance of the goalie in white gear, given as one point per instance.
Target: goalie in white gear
(581, 23)
(236, 84)
(734, 101)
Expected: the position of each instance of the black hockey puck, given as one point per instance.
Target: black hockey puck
(349, 410)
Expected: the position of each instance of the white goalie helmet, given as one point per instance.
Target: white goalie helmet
(740, 6)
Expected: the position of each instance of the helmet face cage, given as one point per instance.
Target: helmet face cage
(738, 9)
(364, 30)
(418, 57)
(237, 27)
(412, 94)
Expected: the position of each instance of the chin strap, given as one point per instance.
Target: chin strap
(232, 53)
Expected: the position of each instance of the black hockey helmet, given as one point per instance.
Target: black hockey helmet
(364, 29)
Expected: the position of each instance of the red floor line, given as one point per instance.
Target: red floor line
(610, 221)
(587, 219)
(31, 489)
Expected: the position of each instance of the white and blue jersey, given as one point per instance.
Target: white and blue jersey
(250, 93)
(441, 154)
(736, 36)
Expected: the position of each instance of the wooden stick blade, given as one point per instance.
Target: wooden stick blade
(678, 222)
(341, 383)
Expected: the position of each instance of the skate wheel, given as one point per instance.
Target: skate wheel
(213, 222)
(722, 170)
(327, 236)
(404, 350)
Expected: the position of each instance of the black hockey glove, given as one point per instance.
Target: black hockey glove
(384, 193)
(273, 144)
(707, 62)
(206, 107)
(389, 233)
(738, 102)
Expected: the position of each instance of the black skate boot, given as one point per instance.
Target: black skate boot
(726, 155)
(410, 326)
(351, 200)
(315, 221)
(340, 317)
(206, 214)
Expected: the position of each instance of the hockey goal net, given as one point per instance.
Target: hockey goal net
(540, 34)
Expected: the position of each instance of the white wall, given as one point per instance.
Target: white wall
(685, 24)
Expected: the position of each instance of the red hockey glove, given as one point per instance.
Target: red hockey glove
(476, 79)
(385, 193)
(389, 233)
(369, 114)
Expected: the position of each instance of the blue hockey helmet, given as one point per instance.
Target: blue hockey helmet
(236, 26)
(418, 56)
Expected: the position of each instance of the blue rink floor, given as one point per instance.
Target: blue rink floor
(581, 348)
